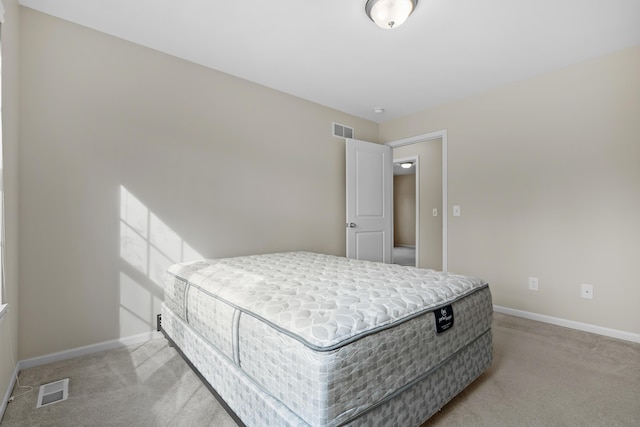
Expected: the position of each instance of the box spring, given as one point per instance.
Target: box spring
(394, 370)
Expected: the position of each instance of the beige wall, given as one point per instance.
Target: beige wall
(10, 102)
(547, 174)
(132, 159)
(404, 210)
(430, 171)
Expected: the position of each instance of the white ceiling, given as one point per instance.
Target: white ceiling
(329, 52)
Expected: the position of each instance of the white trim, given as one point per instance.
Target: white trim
(7, 394)
(417, 197)
(89, 349)
(445, 203)
(586, 327)
(440, 134)
(3, 309)
(1, 17)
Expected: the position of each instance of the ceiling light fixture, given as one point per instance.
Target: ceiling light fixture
(406, 165)
(389, 14)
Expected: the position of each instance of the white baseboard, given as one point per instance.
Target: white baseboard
(613, 333)
(7, 394)
(89, 349)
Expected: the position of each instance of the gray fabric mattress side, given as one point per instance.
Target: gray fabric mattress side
(343, 383)
(330, 388)
(410, 406)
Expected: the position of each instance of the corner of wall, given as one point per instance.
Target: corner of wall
(10, 106)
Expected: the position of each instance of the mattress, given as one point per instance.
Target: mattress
(329, 340)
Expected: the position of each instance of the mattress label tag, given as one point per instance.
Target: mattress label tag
(444, 318)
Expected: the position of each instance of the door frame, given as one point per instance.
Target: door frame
(440, 134)
(416, 160)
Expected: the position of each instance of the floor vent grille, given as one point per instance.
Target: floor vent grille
(54, 392)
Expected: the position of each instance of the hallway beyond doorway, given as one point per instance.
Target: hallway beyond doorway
(404, 255)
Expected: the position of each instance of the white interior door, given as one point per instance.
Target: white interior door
(369, 201)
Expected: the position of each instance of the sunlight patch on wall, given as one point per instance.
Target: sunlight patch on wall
(149, 246)
(146, 242)
(134, 231)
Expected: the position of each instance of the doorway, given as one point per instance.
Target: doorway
(406, 210)
(436, 256)
(431, 195)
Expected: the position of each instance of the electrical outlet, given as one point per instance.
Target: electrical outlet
(586, 291)
(533, 283)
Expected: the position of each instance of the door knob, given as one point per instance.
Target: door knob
(352, 225)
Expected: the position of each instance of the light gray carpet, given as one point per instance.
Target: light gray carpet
(404, 255)
(546, 375)
(542, 375)
(140, 385)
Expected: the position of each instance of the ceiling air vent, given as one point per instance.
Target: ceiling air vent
(54, 392)
(342, 131)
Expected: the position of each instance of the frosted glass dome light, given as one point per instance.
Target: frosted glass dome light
(389, 14)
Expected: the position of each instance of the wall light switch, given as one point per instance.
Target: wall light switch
(456, 210)
(435, 211)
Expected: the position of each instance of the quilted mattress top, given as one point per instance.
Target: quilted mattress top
(321, 300)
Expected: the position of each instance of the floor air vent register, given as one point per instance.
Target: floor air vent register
(54, 392)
